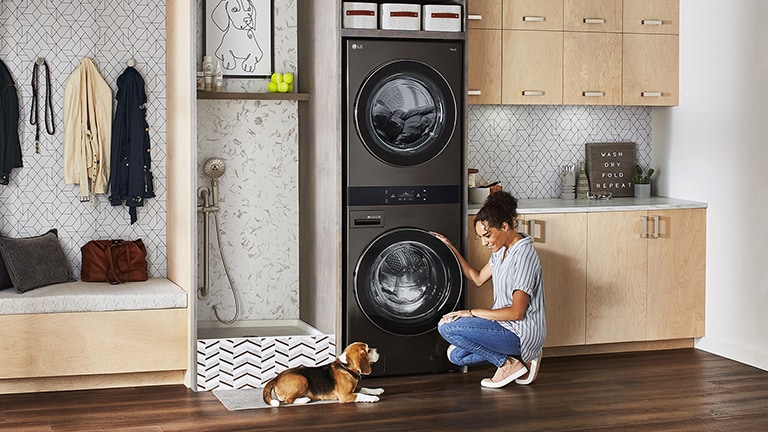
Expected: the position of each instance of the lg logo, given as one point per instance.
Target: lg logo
(357, 46)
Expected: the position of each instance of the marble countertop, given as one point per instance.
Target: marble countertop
(555, 205)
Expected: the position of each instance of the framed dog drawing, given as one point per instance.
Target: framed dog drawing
(238, 33)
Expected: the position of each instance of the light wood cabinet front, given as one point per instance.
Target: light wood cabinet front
(533, 14)
(650, 70)
(484, 14)
(593, 16)
(677, 274)
(484, 66)
(617, 269)
(533, 67)
(560, 241)
(592, 68)
(652, 16)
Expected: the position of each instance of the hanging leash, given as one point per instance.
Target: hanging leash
(34, 118)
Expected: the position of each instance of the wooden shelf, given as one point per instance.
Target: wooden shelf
(253, 96)
(401, 34)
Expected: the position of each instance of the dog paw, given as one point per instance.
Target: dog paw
(362, 397)
(302, 400)
(371, 391)
(274, 403)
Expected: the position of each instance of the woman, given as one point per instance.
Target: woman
(511, 334)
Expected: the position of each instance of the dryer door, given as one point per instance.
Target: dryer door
(406, 280)
(405, 113)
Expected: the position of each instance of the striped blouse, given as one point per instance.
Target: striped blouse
(521, 270)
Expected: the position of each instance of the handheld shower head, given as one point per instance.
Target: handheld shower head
(213, 169)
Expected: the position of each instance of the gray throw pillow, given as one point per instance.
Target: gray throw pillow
(33, 262)
(5, 280)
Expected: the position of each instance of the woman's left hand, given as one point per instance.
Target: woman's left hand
(453, 316)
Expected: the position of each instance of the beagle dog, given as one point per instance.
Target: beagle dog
(334, 381)
(238, 47)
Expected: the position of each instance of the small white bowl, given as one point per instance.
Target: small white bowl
(477, 195)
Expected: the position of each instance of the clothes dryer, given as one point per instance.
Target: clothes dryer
(400, 279)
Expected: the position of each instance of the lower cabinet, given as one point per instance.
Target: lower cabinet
(614, 276)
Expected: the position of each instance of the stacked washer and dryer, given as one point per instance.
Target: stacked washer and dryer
(403, 177)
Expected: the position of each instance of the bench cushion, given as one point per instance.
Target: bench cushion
(155, 293)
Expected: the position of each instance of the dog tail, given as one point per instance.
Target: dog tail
(267, 394)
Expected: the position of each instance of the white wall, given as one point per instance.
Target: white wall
(712, 148)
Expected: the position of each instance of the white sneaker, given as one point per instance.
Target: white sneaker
(505, 374)
(532, 372)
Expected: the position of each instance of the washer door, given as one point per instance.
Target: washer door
(405, 113)
(406, 280)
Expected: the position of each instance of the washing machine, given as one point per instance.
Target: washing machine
(400, 279)
(404, 112)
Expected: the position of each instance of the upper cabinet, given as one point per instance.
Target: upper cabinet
(573, 52)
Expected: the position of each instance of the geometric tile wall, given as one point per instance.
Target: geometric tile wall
(250, 362)
(64, 32)
(525, 147)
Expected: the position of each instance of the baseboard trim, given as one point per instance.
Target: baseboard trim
(618, 347)
(749, 355)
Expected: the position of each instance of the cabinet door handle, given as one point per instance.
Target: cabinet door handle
(650, 94)
(532, 229)
(474, 17)
(593, 94)
(474, 92)
(643, 227)
(656, 226)
(534, 19)
(533, 93)
(652, 22)
(594, 20)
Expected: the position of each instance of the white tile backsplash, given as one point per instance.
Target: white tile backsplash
(525, 147)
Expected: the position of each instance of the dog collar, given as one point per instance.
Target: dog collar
(351, 372)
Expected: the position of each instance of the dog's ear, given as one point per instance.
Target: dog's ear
(358, 358)
(220, 15)
(253, 14)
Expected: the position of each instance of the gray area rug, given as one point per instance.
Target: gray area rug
(244, 399)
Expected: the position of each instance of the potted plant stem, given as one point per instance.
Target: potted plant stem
(642, 180)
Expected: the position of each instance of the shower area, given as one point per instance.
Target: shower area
(248, 326)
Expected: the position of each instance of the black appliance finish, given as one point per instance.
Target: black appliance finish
(404, 112)
(400, 279)
(403, 176)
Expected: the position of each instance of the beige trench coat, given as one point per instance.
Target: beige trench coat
(87, 130)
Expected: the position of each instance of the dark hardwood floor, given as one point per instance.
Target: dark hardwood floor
(680, 390)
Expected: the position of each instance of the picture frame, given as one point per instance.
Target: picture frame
(239, 34)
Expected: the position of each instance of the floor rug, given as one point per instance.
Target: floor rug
(244, 399)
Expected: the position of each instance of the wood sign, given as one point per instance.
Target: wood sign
(610, 168)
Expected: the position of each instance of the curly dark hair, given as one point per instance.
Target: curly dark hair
(499, 207)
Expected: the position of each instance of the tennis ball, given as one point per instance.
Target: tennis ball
(283, 87)
(272, 87)
(288, 77)
(277, 77)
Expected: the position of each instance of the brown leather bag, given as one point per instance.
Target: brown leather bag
(114, 261)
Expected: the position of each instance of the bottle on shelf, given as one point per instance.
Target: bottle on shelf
(582, 183)
(208, 73)
(218, 78)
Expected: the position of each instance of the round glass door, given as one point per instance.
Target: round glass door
(405, 113)
(406, 280)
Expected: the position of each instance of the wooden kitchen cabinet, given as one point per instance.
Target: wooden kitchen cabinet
(617, 269)
(651, 52)
(677, 274)
(645, 275)
(533, 15)
(560, 241)
(484, 66)
(592, 67)
(650, 69)
(533, 67)
(593, 16)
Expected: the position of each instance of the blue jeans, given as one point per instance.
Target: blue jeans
(479, 341)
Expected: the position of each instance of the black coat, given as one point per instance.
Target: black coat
(10, 147)
(130, 176)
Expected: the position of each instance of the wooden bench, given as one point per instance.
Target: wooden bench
(82, 335)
